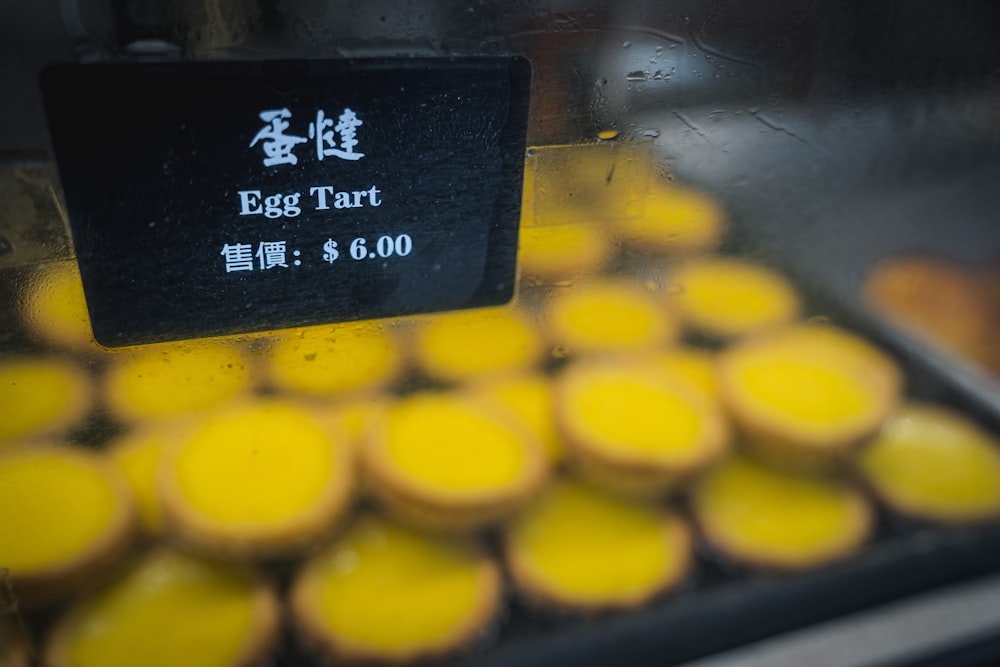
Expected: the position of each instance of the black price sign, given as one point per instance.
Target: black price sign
(222, 197)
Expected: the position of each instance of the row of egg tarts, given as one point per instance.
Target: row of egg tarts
(751, 512)
(382, 590)
(170, 380)
(724, 300)
(163, 381)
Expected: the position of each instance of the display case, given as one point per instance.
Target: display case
(596, 333)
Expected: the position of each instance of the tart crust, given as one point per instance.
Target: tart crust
(848, 383)
(339, 647)
(956, 462)
(269, 432)
(635, 430)
(258, 639)
(463, 422)
(778, 501)
(39, 584)
(624, 528)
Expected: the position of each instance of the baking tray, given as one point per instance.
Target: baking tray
(724, 605)
(820, 193)
(779, 217)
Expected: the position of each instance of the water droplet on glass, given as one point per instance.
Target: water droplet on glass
(626, 44)
(560, 352)
(820, 319)
(659, 49)
(637, 75)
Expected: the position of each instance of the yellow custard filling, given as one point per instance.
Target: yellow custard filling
(173, 379)
(170, 610)
(675, 219)
(934, 463)
(257, 468)
(56, 308)
(634, 414)
(607, 315)
(530, 398)
(770, 517)
(806, 391)
(453, 446)
(383, 590)
(340, 359)
(726, 297)
(138, 456)
(455, 346)
(56, 507)
(40, 396)
(562, 251)
(578, 546)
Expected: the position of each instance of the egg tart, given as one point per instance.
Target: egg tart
(170, 609)
(562, 252)
(55, 308)
(931, 463)
(265, 478)
(580, 549)
(776, 519)
(138, 456)
(386, 593)
(633, 429)
(41, 396)
(465, 344)
(606, 316)
(168, 380)
(338, 360)
(676, 220)
(450, 461)
(728, 298)
(936, 299)
(64, 516)
(529, 397)
(806, 394)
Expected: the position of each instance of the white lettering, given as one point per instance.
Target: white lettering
(321, 192)
(250, 202)
(280, 205)
(343, 200)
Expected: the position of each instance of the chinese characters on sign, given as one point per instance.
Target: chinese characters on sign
(271, 254)
(331, 140)
(279, 147)
(239, 256)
